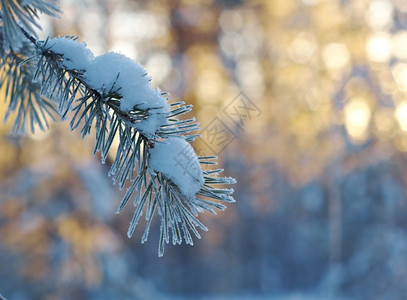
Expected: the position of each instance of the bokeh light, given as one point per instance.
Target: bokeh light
(357, 118)
(401, 115)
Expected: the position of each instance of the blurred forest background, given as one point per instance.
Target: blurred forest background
(310, 100)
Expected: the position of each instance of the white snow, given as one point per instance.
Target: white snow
(75, 54)
(176, 160)
(116, 72)
(115, 69)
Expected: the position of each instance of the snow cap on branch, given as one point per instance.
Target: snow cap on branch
(176, 160)
(114, 72)
(75, 54)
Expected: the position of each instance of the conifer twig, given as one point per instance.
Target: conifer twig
(154, 159)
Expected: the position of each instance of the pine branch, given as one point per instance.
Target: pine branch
(22, 95)
(154, 159)
(17, 14)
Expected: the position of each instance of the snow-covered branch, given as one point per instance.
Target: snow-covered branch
(112, 94)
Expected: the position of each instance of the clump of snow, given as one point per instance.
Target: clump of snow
(75, 54)
(112, 70)
(118, 73)
(157, 115)
(176, 160)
